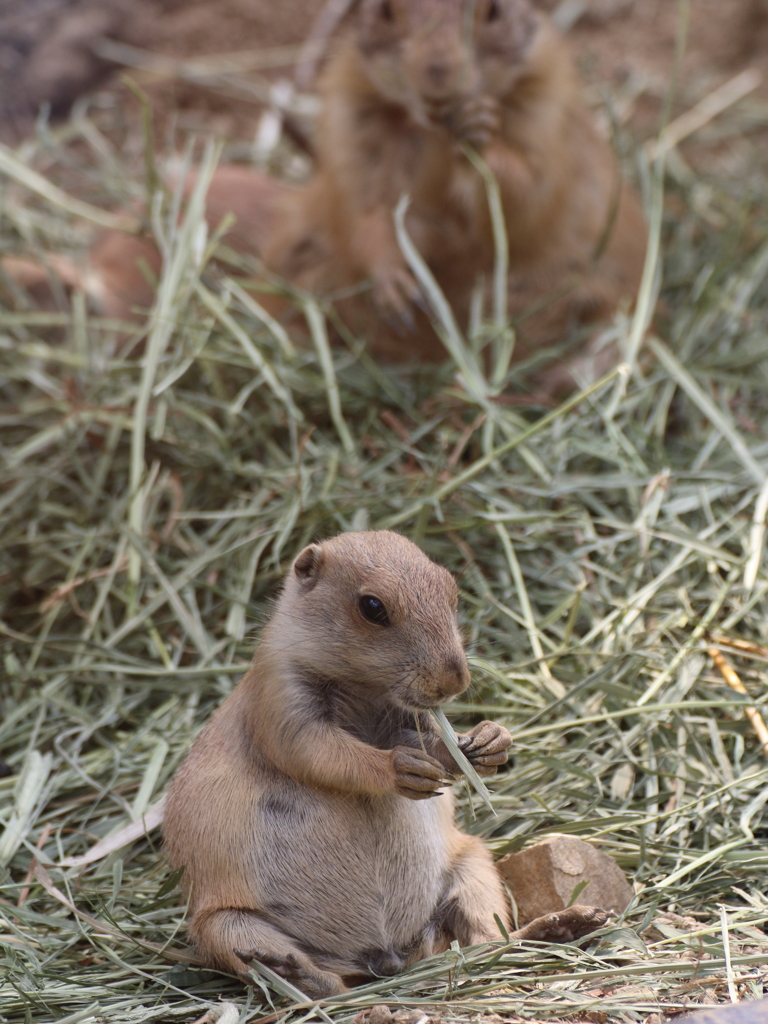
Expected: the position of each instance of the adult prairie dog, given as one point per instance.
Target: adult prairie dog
(411, 83)
(312, 814)
(409, 86)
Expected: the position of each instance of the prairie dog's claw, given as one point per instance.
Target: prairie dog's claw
(417, 775)
(394, 293)
(485, 747)
(283, 965)
(569, 925)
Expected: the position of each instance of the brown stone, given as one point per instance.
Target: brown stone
(543, 877)
(380, 1014)
(383, 1014)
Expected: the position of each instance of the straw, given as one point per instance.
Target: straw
(448, 737)
(157, 478)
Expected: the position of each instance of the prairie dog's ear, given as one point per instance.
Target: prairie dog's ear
(307, 564)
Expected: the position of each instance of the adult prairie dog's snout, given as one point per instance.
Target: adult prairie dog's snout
(434, 54)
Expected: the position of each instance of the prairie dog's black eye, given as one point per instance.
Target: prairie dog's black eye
(494, 11)
(373, 609)
(386, 11)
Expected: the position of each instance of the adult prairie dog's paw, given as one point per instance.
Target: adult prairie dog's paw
(485, 747)
(417, 775)
(473, 119)
(395, 292)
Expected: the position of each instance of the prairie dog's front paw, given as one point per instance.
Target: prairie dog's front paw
(417, 775)
(485, 747)
(472, 119)
(395, 292)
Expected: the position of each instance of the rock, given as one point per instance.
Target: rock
(379, 1014)
(543, 877)
(382, 1014)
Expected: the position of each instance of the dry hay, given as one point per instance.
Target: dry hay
(154, 487)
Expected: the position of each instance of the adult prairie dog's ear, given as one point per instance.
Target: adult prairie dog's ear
(307, 564)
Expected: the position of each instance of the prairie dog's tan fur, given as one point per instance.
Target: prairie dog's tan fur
(411, 83)
(404, 90)
(291, 813)
(304, 813)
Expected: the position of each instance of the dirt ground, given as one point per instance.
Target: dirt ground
(52, 52)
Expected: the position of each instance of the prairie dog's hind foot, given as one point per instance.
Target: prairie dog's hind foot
(567, 925)
(298, 970)
(231, 939)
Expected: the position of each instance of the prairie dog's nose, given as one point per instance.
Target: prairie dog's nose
(442, 64)
(438, 72)
(456, 674)
(386, 963)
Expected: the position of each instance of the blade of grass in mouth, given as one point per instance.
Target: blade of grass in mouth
(448, 737)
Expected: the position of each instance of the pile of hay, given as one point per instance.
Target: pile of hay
(155, 486)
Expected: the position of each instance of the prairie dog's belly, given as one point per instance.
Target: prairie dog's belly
(346, 873)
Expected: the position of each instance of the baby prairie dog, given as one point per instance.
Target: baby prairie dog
(404, 91)
(313, 815)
